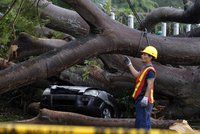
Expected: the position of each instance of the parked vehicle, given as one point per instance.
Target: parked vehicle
(85, 100)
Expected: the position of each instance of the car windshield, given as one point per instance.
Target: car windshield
(61, 90)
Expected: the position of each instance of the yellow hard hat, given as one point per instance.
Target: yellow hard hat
(151, 51)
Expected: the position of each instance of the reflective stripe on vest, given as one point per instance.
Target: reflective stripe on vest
(140, 81)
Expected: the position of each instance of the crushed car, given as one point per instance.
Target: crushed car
(84, 100)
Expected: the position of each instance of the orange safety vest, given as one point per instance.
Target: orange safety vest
(140, 81)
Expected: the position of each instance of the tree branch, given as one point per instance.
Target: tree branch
(165, 14)
(31, 46)
(63, 20)
(55, 117)
(89, 11)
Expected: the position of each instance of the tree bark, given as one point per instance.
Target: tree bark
(66, 118)
(166, 14)
(97, 77)
(64, 20)
(49, 33)
(31, 46)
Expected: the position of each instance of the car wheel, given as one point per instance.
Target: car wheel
(106, 112)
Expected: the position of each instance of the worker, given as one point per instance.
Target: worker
(144, 86)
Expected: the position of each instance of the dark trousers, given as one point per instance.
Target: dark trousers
(143, 115)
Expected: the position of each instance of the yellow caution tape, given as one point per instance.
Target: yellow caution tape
(61, 129)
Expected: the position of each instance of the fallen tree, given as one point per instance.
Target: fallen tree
(113, 37)
(185, 79)
(67, 118)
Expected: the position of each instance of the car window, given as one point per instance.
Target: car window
(63, 91)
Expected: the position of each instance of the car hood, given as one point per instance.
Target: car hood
(78, 89)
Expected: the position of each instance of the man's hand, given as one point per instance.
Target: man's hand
(127, 61)
(144, 101)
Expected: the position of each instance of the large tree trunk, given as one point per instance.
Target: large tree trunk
(66, 118)
(61, 19)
